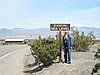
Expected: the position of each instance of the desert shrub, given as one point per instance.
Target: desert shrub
(82, 41)
(46, 49)
(97, 66)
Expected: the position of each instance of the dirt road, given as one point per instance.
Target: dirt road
(11, 59)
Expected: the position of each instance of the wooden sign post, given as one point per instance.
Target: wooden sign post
(60, 46)
(60, 27)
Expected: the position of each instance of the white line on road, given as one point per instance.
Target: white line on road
(10, 53)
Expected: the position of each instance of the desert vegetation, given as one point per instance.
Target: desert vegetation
(81, 41)
(46, 50)
(97, 66)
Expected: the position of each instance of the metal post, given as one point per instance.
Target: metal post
(60, 46)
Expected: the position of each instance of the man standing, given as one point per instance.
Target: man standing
(66, 45)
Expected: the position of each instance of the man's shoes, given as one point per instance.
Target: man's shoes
(64, 61)
(69, 62)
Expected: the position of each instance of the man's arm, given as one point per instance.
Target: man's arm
(70, 41)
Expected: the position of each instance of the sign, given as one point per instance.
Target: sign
(60, 27)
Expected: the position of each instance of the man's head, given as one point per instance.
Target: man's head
(66, 34)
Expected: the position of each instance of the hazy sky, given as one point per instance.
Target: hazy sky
(40, 13)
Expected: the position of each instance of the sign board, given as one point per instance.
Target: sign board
(60, 27)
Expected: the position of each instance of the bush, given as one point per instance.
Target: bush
(97, 66)
(46, 49)
(82, 41)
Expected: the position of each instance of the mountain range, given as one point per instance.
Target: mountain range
(43, 31)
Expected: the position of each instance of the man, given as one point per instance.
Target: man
(66, 45)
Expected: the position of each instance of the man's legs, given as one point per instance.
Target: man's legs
(69, 56)
(65, 55)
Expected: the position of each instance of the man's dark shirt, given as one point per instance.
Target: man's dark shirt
(65, 43)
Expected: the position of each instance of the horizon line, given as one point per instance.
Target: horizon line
(42, 27)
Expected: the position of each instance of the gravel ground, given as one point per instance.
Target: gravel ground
(82, 64)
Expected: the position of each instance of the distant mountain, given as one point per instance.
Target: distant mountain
(88, 29)
(44, 31)
(5, 31)
(23, 31)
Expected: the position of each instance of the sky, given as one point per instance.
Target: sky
(41, 13)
